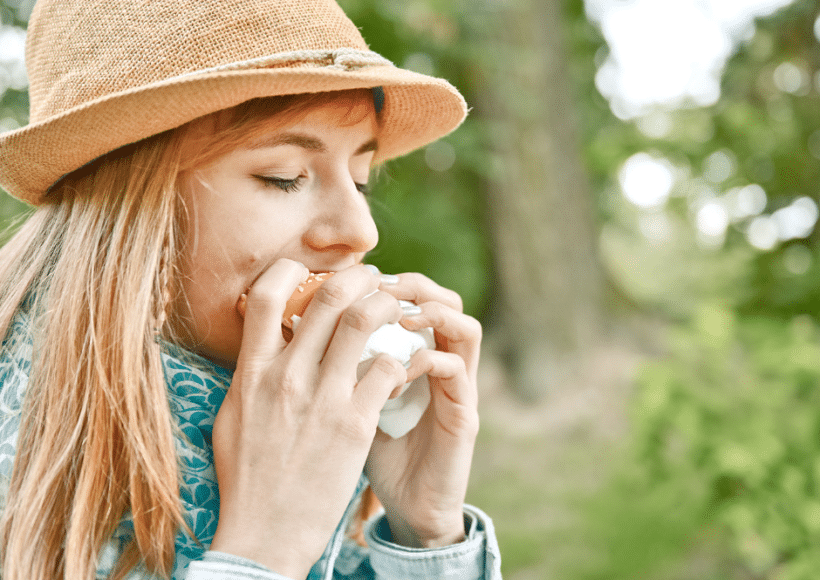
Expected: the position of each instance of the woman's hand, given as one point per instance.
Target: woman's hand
(421, 478)
(293, 434)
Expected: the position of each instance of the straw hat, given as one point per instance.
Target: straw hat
(105, 74)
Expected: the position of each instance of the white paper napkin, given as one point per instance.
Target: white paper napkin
(400, 414)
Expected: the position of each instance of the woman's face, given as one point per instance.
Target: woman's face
(297, 193)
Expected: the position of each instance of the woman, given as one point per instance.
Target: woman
(190, 165)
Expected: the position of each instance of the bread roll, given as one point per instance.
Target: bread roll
(296, 304)
(301, 297)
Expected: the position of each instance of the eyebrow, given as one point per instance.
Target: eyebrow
(307, 142)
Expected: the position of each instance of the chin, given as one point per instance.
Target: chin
(220, 347)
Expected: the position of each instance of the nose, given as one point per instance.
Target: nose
(343, 222)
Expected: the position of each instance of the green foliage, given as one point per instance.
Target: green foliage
(430, 205)
(726, 448)
(721, 476)
(13, 113)
(769, 134)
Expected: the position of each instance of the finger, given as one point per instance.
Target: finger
(264, 306)
(358, 322)
(455, 395)
(385, 375)
(317, 326)
(461, 333)
(419, 288)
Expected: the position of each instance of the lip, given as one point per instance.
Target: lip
(314, 269)
(337, 267)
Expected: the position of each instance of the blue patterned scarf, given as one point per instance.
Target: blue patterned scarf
(196, 389)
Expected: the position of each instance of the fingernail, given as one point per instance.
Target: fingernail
(305, 268)
(242, 304)
(389, 279)
(411, 310)
(373, 269)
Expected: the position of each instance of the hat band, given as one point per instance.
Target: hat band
(341, 59)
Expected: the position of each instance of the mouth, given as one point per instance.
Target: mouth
(301, 295)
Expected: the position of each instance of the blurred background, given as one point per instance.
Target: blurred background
(631, 211)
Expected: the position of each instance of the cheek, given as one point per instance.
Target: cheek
(224, 237)
(221, 265)
(219, 255)
(213, 324)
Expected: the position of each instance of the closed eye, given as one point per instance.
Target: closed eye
(363, 188)
(286, 185)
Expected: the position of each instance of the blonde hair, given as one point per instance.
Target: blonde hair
(97, 436)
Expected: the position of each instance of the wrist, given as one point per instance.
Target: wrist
(446, 534)
(288, 563)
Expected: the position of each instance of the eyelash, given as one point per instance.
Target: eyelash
(292, 185)
(286, 185)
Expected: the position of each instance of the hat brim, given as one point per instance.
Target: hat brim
(418, 109)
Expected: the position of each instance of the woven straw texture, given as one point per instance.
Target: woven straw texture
(105, 74)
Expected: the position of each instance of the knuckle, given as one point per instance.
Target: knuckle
(437, 311)
(415, 278)
(415, 283)
(359, 426)
(459, 364)
(286, 387)
(464, 420)
(424, 357)
(474, 328)
(331, 294)
(262, 296)
(388, 304)
(425, 288)
(454, 299)
(389, 367)
(359, 318)
(289, 381)
(471, 423)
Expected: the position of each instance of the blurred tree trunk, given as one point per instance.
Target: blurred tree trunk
(551, 284)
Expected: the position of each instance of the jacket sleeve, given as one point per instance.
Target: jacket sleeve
(221, 566)
(476, 558)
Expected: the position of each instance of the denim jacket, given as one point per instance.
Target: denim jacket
(196, 389)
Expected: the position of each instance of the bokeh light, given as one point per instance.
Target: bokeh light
(797, 259)
(670, 54)
(440, 156)
(796, 220)
(12, 51)
(747, 201)
(712, 220)
(646, 181)
(719, 166)
(791, 78)
(762, 233)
